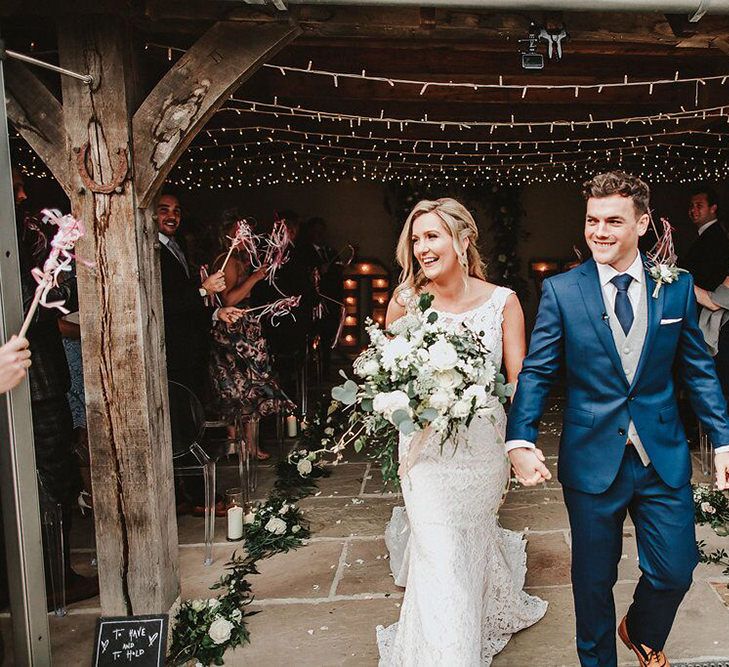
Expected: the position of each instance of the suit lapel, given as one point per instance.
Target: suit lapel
(597, 313)
(655, 312)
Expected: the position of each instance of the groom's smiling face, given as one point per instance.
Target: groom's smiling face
(612, 230)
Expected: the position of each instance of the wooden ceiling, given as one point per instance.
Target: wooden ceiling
(447, 45)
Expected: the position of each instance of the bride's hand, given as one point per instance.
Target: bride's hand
(529, 466)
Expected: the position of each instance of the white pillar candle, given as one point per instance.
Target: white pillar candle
(235, 523)
(291, 426)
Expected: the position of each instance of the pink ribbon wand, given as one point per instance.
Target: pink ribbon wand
(243, 238)
(60, 258)
(276, 309)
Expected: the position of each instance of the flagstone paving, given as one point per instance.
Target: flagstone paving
(319, 605)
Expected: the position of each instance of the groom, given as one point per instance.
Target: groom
(623, 447)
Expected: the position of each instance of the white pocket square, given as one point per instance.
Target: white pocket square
(672, 321)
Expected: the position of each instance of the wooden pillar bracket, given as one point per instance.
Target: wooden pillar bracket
(118, 176)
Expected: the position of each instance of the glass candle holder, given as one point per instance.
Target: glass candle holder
(235, 512)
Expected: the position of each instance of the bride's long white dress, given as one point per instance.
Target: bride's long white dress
(463, 573)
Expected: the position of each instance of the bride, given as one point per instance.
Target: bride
(463, 573)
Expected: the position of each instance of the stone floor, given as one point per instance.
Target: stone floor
(319, 605)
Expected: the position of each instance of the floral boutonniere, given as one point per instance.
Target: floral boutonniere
(663, 274)
(662, 258)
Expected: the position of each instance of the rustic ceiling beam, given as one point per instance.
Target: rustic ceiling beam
(192, 91)
(38, 117)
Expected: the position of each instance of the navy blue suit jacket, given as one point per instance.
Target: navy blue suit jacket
(572, 327)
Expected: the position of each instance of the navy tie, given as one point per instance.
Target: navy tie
(623, 309)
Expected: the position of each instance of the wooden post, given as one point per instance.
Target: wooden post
(121, 319)
(111, 185)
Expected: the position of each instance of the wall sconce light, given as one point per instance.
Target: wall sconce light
(379, 283)
(350, 321)
(543, 268)
(350, 284)
(350, 300)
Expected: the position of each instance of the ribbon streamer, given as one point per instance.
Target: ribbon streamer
(60, 259)
(277, 309)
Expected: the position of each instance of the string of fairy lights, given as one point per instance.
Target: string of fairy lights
(304, 144)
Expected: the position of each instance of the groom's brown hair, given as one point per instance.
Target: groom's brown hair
(619, 183)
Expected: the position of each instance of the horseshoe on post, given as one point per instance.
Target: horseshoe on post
(118, 175)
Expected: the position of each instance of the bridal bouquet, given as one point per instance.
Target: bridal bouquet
(419, 376)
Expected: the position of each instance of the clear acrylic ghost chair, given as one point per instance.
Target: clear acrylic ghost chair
(187, 419)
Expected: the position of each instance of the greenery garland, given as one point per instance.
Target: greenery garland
(205, 629)
(712, 507)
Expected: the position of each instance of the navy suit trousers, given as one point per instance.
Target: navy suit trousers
(664, 528)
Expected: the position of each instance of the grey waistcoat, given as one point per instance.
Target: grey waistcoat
(629, 348)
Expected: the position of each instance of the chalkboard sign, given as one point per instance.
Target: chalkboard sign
(140, 641)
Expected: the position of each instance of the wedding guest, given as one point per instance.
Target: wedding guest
(708, 257)
(56, 462)
(242, 380)
(187, 319)
(708, 262)
(288, 340)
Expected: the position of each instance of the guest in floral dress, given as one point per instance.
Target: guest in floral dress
(242, 382)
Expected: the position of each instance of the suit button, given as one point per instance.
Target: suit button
(631, 398)
(621, 431)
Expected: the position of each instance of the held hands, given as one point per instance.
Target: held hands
(214, 283)
(230, 314)
(14, 362)
(722, 470)
(529, 466)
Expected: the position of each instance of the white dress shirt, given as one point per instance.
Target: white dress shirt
(605, 274)
(706, 226)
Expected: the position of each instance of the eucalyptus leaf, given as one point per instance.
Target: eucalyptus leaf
(432, 318)
(399, 416)
(367, 404)
(358, 445)
(406, 426)
(429, 414)
(426, 298)
(500, 379)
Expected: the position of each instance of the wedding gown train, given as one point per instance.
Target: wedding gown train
(463, 574)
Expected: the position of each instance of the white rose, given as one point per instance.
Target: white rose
(389, 402)
(397, 348)
(276, 526)
(478, 392)
(440, 400)
(198, 605)
(443, 355)
(423, 355)
(461, 409)
(304, 467)
(448, 379)
(708, 508)
(665, 272)
(284, 509)
(213, 602)
(220, 630)
(295, 529)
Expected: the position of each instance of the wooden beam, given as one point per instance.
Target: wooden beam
(37, 116)
(190, 93)
(121, 320)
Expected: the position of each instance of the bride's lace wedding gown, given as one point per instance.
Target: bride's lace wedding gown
(463, 574)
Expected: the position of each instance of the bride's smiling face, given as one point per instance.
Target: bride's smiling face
(433, 248)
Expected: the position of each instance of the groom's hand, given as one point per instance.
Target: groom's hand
(722, 470)
(529, 466)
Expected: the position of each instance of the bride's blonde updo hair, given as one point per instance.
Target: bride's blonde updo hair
(459, 224)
